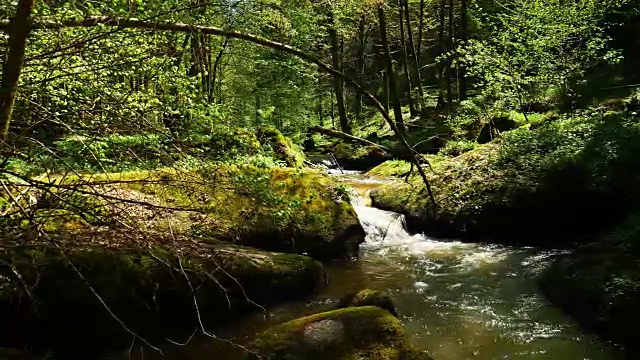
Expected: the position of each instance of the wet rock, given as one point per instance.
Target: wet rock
(366, 332)
(369, 298)
(152, 290)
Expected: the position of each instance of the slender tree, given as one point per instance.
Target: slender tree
(338, 85)
(450, 45)
(420, 32)
(360, 65)
(404, 59)
(391, 83)
(412, 50)
(18, 33)
(464, 36)
(441, 48)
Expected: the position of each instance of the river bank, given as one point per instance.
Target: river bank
(456, 300)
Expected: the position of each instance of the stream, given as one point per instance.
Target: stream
(456, 300)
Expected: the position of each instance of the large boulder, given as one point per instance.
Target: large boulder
(71, 300)
(300, 211)
(367, 332)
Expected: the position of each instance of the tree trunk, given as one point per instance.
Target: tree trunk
(385, 90)
(397, 110)
(412, 49)
(464, 36)
(405, 65)
(338, 87)
(420, 26)
(360, 63)
(180, 27)
(18, 33)
(440, 52)
(450, 61)
(216, 64)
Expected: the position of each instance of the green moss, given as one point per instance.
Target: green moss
(391, 168)
(457, 147)
(529, 184)
(347, 334)
(282, 147)
(146, 287)
(369, 297)
(280, 209)
(57, 220)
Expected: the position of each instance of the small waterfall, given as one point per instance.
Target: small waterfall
(386, 232)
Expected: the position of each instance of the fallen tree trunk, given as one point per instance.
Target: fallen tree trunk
(188, 28)
(346, 137)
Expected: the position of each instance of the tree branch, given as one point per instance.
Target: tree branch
(188, 28)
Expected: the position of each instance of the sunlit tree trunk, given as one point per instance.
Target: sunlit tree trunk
(18, 33)
(464, 36)
(405, 60)
(439, 53)
(338, 86)
(412, 49)
(397, 110)
(360, 67)
(450, 44)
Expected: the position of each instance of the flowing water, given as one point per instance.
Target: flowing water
(456, 300)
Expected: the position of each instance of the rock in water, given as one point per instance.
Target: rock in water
(369, 298)
(366, 332)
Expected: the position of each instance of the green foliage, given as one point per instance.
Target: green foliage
(279, 209)
(531, 180)
(535, 46)
(117, 151)
(457, 147)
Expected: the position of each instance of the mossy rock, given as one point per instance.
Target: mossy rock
(369, 298)
(301, 211)
(391, 168)
(358, 157)
(599, 284)
(150, 289)
(366, 332)
(282, 147)
(528, 186)
(227, 142)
